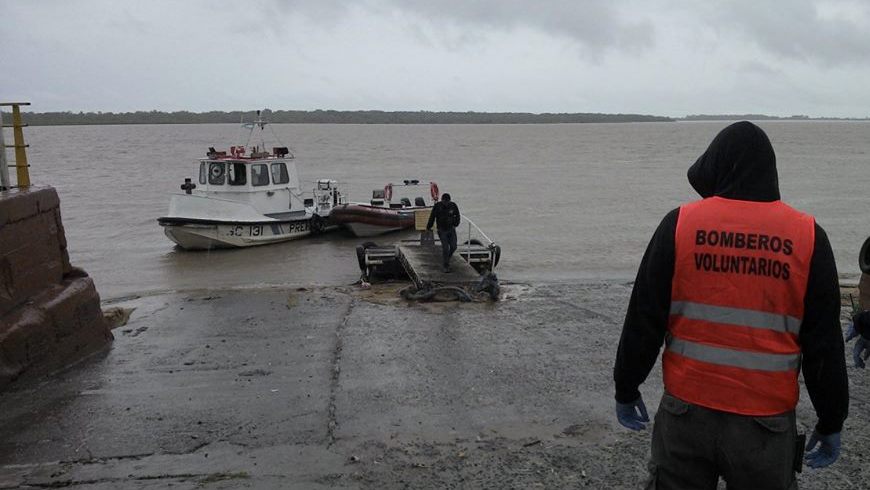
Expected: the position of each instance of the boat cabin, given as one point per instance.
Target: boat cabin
(237, 172)
(263, 182)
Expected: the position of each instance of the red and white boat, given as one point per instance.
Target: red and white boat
(386, 211)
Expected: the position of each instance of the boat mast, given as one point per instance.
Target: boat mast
(260, 123)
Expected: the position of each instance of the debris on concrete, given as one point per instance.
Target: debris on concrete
(117, 316)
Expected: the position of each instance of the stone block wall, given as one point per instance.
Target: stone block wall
(50, 314)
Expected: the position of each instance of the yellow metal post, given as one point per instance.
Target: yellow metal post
(4, 167)
(21, 166)
(20, 153)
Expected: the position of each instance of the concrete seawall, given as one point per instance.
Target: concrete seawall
(50, 313)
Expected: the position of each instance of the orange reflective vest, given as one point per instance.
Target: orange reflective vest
(737, 303)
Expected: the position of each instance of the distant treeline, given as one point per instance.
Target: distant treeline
(326, 117)
(763, 117)
(739, 117)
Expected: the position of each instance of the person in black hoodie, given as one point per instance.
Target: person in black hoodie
(446, 213)
(694, 443)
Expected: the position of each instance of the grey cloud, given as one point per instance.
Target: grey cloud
(596, 25)
(756, 68)
(794, 29)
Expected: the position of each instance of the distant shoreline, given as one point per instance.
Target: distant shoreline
(327, 117)
(69, 118)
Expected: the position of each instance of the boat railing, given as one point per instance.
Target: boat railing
(476, 247)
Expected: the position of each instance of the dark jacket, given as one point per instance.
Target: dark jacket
(739, 164)
(862, 323)
(445, 213)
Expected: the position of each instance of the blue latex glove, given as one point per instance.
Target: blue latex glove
(632, 415)
(828, 451)
(861, 350)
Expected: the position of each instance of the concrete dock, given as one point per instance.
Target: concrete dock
(345, 388)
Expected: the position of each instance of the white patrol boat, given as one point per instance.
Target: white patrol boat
(248, 196)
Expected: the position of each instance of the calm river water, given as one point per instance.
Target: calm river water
(571, 202)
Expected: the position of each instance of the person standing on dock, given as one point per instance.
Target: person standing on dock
(446, 214)
(743, 291)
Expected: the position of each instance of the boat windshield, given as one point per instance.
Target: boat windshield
(237, 174)
(279, 173)
(259, 174)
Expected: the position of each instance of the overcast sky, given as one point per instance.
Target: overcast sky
(669, 57)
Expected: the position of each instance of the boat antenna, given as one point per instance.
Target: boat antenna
(241, 125)
(251, 125)
(261, 123)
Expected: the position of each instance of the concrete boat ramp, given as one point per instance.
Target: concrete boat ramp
(315, 388)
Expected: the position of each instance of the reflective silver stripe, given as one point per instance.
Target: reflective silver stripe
(735, 358)
(736, 316)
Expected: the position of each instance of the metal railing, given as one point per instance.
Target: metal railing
(472, 226)
(477, 248)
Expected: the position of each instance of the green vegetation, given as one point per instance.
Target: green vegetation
(327, 117)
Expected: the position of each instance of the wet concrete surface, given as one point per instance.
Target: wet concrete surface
(348, 388)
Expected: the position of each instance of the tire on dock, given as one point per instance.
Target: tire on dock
(317, 224)
(361, 254)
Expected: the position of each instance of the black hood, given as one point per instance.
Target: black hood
(738, 164)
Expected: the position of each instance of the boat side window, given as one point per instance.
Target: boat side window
(259, 174)
(203, 171)
(216, 173)
(237, 174)
(279, 173)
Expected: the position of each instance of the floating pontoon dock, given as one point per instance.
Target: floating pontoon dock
(420, 258)
(422, 262)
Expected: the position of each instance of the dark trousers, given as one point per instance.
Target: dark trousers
(693, 446)
(448, 243)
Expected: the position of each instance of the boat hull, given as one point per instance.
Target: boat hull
(366, 230)
(198, 235)
(366, 221)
